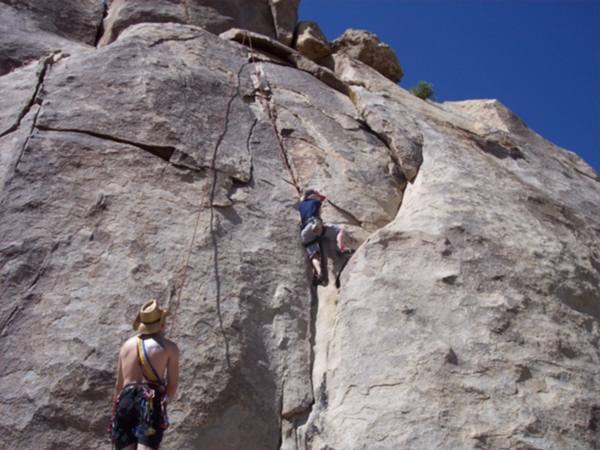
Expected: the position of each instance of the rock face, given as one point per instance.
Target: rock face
(263, 48)
(274, 18)
(27, 37)
(76, 20)
(366, 47)
(168, 164)
(503, 321)
(16, 111)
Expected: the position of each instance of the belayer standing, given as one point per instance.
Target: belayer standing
(147, 376)
(313, 230)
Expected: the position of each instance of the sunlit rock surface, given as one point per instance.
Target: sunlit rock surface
(168, 164)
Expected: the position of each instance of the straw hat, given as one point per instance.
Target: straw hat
(150, 318)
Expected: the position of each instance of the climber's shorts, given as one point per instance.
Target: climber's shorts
(311, 241)
(137, 421)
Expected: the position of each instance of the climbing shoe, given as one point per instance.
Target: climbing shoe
(319, 280)
(316, 279)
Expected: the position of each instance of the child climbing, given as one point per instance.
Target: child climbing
(313, 230)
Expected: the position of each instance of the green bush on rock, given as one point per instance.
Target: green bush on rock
(423, 90)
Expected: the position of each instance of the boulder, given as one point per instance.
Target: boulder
(263, 45)
(367, 47)
(311, 42)
(214, 16)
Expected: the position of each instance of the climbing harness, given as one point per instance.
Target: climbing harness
(315, 226)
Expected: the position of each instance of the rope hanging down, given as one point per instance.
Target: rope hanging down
(193, 241)
(264, 94)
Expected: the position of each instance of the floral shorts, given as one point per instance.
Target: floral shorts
(138, 417)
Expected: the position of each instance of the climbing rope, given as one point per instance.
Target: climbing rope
(264, 94)
(185, 265)
(184, 268)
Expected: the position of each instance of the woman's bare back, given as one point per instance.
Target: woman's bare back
(162, 353)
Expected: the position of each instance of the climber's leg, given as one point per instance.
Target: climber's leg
(145, 447)
(316, 263)
(341, 244)
(336, 232)
(314, 254)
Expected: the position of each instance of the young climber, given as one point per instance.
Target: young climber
(142, 390)
(313, 229)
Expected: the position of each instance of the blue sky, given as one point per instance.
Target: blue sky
(541, 58)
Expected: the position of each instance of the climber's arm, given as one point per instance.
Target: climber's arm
(172, 371)
(119, 383)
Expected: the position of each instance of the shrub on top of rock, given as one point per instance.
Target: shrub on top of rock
(423, 90)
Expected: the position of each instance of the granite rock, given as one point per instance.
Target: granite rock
(215, 16)
(114, 204)
(20, 88)
(311, 42)
(377, 104)
(329, 149)
(267, 49)
(177, 88)
(169, 163)
(471, 320)
(121, 219)
(25, 38)
(75, 20)
(366, 47)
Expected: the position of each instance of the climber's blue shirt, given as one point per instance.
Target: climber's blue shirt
(309, 208)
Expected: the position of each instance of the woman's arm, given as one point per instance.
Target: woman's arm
(173, 372)
(119, 383)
